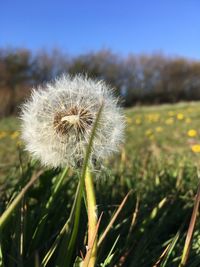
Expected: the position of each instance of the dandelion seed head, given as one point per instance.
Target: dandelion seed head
(58, 118)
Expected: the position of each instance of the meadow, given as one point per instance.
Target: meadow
(145, 196)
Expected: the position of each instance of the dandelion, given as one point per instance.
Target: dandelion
(159, 129)
(171, 113)
(148, 132)
(15, 135)
(169, 121)
(192, 133)
(138, 121)
(180, 116)
(57, 121)
(128, 120)
(2, 135)
(196, 148)
(154, 117)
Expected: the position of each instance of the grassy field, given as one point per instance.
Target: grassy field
(158, 164)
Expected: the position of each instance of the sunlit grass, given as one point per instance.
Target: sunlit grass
(145, 196)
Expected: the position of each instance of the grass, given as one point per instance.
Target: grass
(157, 167)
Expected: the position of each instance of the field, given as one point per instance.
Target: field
(158, 166)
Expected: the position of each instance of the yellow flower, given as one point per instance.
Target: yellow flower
(148, 132)
(153, 117)
(196, 148)
(138, 121)
(171, 113)
(159, 129)
(169, 121)
(14, 135)
(128, 120)
(2, 135)
(192, 133)
(180, 116)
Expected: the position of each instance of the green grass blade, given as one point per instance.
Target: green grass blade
(58, 184)
(1, 257)
(8, 212)
(41, 225)
(110, 255)
(170, 249)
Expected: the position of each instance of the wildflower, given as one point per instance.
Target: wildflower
(169, 121)
(154, 117)
(2, 135)
(196, 148)
(57, 121)
(138, 121)
(180, 116)
(128, 120)
(148, 132)
(171, 113)
(159, 129)
(192, 133)
(14, 135)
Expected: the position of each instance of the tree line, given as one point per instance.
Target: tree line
(137, 79)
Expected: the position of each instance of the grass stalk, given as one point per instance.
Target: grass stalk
(92, 215)
(8, 212)
(190, 231)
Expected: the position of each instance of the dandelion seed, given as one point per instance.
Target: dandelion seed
(57, 121)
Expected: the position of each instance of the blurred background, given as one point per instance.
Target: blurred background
(147, 50)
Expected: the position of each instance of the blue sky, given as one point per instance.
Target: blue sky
(124, 26)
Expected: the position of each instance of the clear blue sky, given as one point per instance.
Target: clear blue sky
(124, 26)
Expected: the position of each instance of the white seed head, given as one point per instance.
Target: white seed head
(58, 118)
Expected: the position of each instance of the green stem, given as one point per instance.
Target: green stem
(92, 216)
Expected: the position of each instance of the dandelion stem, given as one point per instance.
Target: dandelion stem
(92, 216)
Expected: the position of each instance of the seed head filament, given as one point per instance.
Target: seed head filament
(78, 119)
